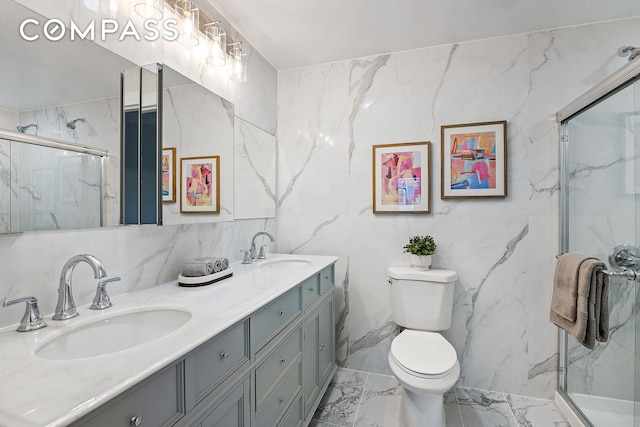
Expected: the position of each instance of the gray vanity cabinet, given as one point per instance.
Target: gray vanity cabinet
(319, 356)
(268, 370)
(233, 411)
(156, 402)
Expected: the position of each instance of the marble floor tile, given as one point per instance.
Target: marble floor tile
(361, 399)
(480, 408)
(380, 402)
(315, 423)
(530, 412)
(451, 409)
(339, 405)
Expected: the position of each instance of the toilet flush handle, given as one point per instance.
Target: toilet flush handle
(389, 280)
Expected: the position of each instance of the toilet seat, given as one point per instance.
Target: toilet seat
(423, 354)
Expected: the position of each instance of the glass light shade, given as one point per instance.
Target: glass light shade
(238, 65)
(189, 22)
(150, 9)
(217, 51)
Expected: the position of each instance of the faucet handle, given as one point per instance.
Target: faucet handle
(102, 300)
(31, 320)
(246, 258)
(262, 254)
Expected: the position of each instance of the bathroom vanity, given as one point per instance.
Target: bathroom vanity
(258, 350)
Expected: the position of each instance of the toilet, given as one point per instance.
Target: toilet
(425, 364)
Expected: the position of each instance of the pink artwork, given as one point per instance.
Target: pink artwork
(401, 178)
(200, 184)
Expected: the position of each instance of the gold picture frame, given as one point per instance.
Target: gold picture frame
(200, 184)
(474, 160)
(169, 174)
(402, 178)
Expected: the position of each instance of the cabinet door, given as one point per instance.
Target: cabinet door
(311, 360)
(327, 338)
(233, 411)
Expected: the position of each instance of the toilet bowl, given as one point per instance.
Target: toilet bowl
(423, 361)
(426, 366)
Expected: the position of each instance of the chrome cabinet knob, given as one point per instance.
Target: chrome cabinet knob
(224, 355)
(136, 421)
(321, 347)
(282, 360)
(281, 312)
(281, 400)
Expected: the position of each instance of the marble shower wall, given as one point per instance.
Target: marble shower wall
(100, 129)
(503, 250)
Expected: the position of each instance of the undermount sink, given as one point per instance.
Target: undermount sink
(115, 333)
(289, 262)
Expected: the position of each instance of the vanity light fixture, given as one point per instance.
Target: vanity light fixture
(188, 15)
(217, 37)
(149, 9)
(238, 63)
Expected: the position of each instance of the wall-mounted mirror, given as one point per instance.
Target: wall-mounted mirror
(195, 127)
(197, 133)
(70, 92)
(254, 171)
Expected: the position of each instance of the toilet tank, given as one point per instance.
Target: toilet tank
(422, 299)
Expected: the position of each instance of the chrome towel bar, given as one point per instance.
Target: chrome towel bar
(627, 274)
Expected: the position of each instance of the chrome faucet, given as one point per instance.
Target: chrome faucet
(66, 307)
(252, 251)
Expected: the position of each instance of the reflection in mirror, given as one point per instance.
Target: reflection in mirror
(254, 172)
(140, 147)
(71, 91)
(52, 185)
(197, 123)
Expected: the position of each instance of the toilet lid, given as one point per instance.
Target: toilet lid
(423, 353)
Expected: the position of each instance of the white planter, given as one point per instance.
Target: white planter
(421, 262)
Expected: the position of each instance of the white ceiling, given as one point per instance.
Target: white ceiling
(297, 33)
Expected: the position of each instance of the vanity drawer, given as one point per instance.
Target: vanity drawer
(310, 290)
(280, 398)
(208, 365)
(326, 278)
(158, 401)
(267, 374)
(270, 319)
(294, 416)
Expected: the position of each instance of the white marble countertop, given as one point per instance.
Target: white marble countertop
(42, 392)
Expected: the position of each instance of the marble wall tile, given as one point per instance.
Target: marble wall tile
(503, 250)
(254, 171)
(8, 119)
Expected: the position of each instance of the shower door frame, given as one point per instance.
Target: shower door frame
(609, 86)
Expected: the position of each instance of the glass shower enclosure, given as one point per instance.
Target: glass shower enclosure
(600, 211)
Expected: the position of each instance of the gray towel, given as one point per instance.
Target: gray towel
(219, 263)
(580, 298)
(197, 268)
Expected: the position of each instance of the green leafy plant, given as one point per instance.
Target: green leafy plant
(420, 245)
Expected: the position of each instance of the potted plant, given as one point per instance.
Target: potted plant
(421, 248)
